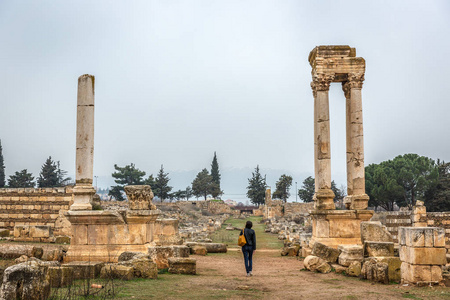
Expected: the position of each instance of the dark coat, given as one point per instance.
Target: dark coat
(250, 237)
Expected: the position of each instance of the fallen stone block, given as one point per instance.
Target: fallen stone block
(62, 239)
(354, 269)
(128, 255)
(394, 267)
(142, 267)
(37, 252)
(4, 233)
(327, 253)
(339, 269)
(161, 254)
(60, 276)
(84, 269)
(349, 254)
(199, 250)
(115, 271)
(315, 263)
(210, 247)
(374, 231)
(25, 281)
(306, 251)
(41, 231)
(378, 249)
(182, 265)
(290, 251)
(375, 271)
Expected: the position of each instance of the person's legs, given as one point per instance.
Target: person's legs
(245, 252)
(250, 261)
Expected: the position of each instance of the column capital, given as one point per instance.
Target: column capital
(355, 80)
(321, 82)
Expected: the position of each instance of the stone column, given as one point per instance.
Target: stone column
(356, 186)
(324, 195)
(83, 190)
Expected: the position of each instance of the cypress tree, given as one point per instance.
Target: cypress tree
(49, 174)
(215, 171)
(2, 167)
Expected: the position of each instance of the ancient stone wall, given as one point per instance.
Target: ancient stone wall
(297, 208)
(395, 219)
(36, 207)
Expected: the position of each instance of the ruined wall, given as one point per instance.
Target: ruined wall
(395, 219)
(40, 206)
(297, 208)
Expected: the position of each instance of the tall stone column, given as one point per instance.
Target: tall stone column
(324, 195)
(83, 190)
(357, 197)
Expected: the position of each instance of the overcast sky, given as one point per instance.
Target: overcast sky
(178, 80)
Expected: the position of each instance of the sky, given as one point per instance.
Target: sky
(177, 81)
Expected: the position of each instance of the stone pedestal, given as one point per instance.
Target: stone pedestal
(338, 227)
(104, 235)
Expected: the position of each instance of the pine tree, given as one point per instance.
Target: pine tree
(307, 191)
(49, 174)
(256, 189)
(2, 167)
(128, 175)
(162, 188)
(21, 179)
(282, 187)
(215, 177)
(203, 185)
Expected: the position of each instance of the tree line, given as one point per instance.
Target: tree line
(203, 185)
(51, 175)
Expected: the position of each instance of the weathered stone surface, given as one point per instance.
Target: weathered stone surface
(37, 252)
(4, 233)
(306, 251)
(339, 269)
(349, 254)
(199, 250)
(423, 255)
(378, 248)
(315, 263)
(139, 197)
(290, 251)
(60, 276)
(142, 267)
(62, 239)
(210, 247)
(354, 269)
(21, 259)
(374, 231)
(422, 236)
(182, 265)
(375, 271)
(25, 281)
(116, 271)
(128, 255)
(394, 267)
(327, 253)
(84, 269)
(161, 254)
(53, 255)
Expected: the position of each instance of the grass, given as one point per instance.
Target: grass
(230, 237)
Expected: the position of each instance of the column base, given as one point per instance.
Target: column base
(324, 199)
(338, 227)
(356, 201)
(82, 197)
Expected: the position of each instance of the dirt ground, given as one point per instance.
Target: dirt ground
(277, 277)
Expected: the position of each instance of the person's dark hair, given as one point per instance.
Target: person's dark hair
(249, 224)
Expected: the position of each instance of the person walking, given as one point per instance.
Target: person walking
(249, 248)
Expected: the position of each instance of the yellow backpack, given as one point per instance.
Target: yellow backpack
(241, 240)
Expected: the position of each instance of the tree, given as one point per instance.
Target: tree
(63, 180)
(339, 193)
(178, 195)
(162, 189)
(204, 185)
(215, 177)
(128, 175)
(150, 181)
(282, 187)
(2, 167)
(256, 189)
(438, 197)
(49, 174)
(307, 191)
(416, 174)
(21, 179)
(188, 193)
